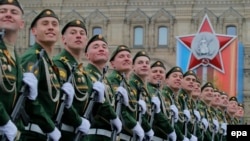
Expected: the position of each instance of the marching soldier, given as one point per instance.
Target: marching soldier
(217, 103)
(43, 111)
(121, 61)
(141, 68)
(74, 38)
(186, 104)
(11, 21)
(170, 92)
(97, 53)
(141, 62)
(209, 113)
(232, 108)
(161, 124)
(240, 113)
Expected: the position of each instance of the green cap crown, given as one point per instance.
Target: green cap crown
(158, 64)
(95, 38)
(74, 23)
(12, 2)
(223, 93)
(190, 72)
(140, 53)
(119, 49)
(208, 84)
(198, 80)
(241, 105)
(42, 14)
(174, 69)
(233, 98)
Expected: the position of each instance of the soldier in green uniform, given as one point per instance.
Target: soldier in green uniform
(43, 112)
(11, 21)
(121, 62)
(240, 113)
(155, 85)
(97, 53)
(170, 92)
(141, 64)
(141, 69)
(216, 103)
(232, 108)
(187, 105)
(207, 91)
(74, 38)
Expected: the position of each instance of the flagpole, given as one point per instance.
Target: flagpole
(204, 74)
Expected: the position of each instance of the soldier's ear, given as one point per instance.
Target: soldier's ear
(112, 64)
(87, 56)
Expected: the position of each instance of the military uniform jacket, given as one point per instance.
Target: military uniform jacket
(169, 99)
(10, 82)
(43, 110)
(185, 102)
(81, 81)
(161, 124)
(128, 113)
(103, 112)
(139, 87)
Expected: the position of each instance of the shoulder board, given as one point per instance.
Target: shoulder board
(64, 59)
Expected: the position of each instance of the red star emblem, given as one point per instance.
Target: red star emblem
(206, 46)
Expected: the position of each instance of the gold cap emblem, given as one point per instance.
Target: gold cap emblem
(78, 22)
(10, 1)
(48, 12)
(100, 36)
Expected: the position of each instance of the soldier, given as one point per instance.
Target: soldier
(232, 108)
(187, 104)
(170, 92)
(141, 68)
(11, 21)
(121, 62)
(240, 113)
(74, 38)
(209, 114)
(97, 53)
(223, 109)
(161, 123)
(43, 111)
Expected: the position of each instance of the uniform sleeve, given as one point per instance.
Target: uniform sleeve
(70, 114)
(163, 123)
(4, 117)
(34, 109)
(127, 117)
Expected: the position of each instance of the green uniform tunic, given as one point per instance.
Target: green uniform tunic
(169, 99)
(82, 84)
(161, 124)
(128, 113)
(10, 82)
(139, 87)
(43, 110)
(185, 101)
(102, 112)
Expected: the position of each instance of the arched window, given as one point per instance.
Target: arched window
(231, 30)
(138, 36)
(97, 30)
(162, 36)
(31, 39)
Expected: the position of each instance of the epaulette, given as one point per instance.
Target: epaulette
(64, 59)
(81, 69)
(118, 76)
(37, 51)
(93, 79)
